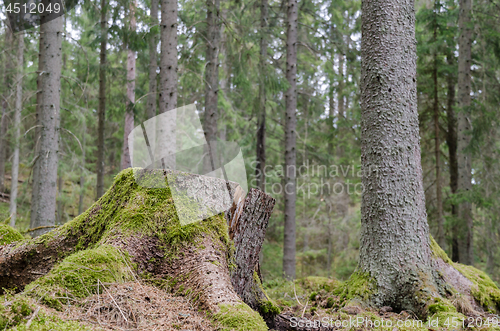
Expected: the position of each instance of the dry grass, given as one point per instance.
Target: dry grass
(137, 306)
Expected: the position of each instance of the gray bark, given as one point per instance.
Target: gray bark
(102, 103)
(130, 104)
(17, 129)
(43, 200)
(168, 78)
(464, 184)
(5, 104)
(212, 70)
(261, 125)
(153, 61)
(395, 249)
(289, 190)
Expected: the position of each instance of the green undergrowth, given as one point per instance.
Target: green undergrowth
(9, 235)
(17, 311)
(239, 318)
(484, 290)
(77, 276)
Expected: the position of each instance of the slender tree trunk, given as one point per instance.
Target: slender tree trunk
(168, 79)
(437, 150)
(17, 129)
(451, 141)
(290, 141)
(82, 177)
(394, 231)
(5, 104)
(153, 61)
(60, 204)
(129, 114)
(464, 158)
(43, 199)
(212, 70)
(261, 125)
(102, 103)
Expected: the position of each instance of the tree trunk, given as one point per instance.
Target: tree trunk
(82, 177)
(43, 201)
(17, 129)
(153, 61)
(130, 104)
(171, 252)
(5, 104)
(451, 141)
(464, 157)
(437, 149)
(395, 248)
(102, 103)
(261, 125)
(290, 141)
(168, 80)
(212, 71)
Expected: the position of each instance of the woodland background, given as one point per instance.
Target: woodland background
(328, 114)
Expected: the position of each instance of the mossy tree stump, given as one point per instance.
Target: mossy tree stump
(201, 259)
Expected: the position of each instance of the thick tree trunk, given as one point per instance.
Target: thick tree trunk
(8, 72)
(43, 201)
(290, 141)
(464, 157)
(17, 129)
(153, 61)
(130, 104)
(395, 248)
(437, 151)
(102, 103)
(212, 71)
(261, 124)
(193, 258)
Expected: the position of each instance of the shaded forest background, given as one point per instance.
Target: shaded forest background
(328, 115)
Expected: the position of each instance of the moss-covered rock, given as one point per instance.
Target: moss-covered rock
(239, 318)
(8, 234)
(77, 276)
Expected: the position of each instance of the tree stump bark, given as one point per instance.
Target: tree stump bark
(194, 259)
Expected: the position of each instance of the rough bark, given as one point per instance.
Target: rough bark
(437, 151)
(196, 258)
(168, 78)
(43, 200)
(212, 71)
(261, 125)
(8, 68)
(247, 223)
(17, 129)
(395, 248)
(101, 113)
(153, 61)
(289, 190)
(464, 157)
(130, 104)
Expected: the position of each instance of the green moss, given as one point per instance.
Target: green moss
(484, 290)
(8, 234)
(438, 251)
(441, 305)
(317, 284)
(77, 276)
(358, 286)
(239, 318)
(269, 308)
